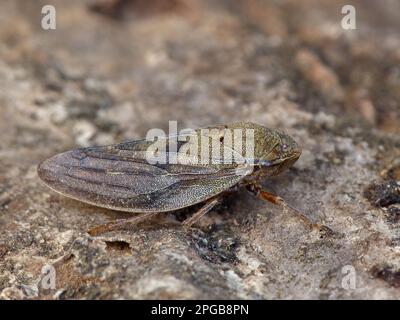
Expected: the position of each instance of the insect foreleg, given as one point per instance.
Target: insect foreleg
(275, 199)
(120, 224)
(201, 212)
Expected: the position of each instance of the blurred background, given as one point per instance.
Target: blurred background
(112, 69)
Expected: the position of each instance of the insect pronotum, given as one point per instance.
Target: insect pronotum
(151, 176)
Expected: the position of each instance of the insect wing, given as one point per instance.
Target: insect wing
(120, 177)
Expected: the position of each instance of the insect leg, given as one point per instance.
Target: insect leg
(275, 199)
(201, 212)
(120, 224)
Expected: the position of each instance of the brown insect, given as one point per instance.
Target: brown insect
(121, 176)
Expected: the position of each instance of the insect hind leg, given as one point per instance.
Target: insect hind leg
(120, 224)
(123, 223)
(201, 212)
